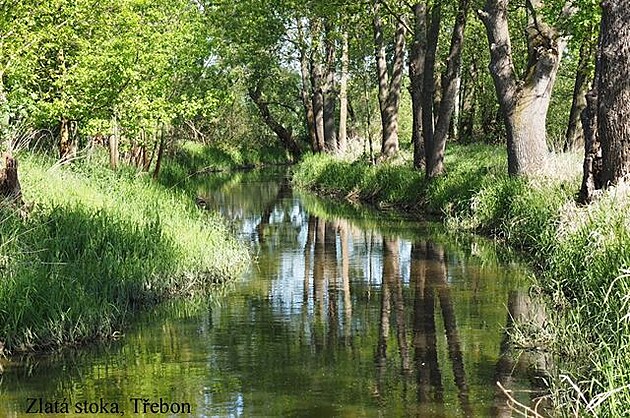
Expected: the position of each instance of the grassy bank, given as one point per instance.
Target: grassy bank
(96, 246)
(189, 159)
(583, 252)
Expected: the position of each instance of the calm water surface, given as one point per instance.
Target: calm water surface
(344, 313)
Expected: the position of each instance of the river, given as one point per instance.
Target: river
(344, 313)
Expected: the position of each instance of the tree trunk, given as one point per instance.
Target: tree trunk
(306, 92)
(318, 106)
(435, 160)
(469, 90)
(317, 85)
(113, 144)
(428, 81)
(67, 150)
(416, 71)
(523, 103)
(343, 97)
(592, 167)
(329, 95)
(614, 91)
(575, 135)
(285, 135)
(389, 90)
(10, 189)
(160, 155)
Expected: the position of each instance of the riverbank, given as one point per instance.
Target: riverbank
(582, 252)
(191, 159)
(97, 246)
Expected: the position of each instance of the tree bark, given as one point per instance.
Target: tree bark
(469, 90)
(428, 88)
(342, 140)
(417, 54)
(10, 189)
(389, 90)
(114, 138)
(575, 135)
(285, 135)
(67, 149)
(435, 160)
(524, 103)
(306, 92)
(613, 113)
(329, 94)
(160, 155)
(317, 84)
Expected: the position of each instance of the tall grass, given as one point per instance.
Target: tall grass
(96, 246)
(583, 252)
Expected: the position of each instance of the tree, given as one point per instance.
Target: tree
(417, 56)
(388, 84)
(342, 138)
(607, 115)
(435, 139)
(574, 134)
(524, 103)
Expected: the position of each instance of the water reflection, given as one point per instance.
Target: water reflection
(339, 316)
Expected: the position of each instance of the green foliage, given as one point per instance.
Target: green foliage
(143, 63)
(97, 246)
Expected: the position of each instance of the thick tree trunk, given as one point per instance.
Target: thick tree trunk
(575, 135)
(524, 104)
(416, 71)
(389, 90)
(342, 139)
(285, 135)
(435, 160)
(614, 91)
(428, 88)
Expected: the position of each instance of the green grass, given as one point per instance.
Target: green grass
(190, 158)
(97, 246)
(583, 253)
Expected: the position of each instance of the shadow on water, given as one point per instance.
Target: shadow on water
(339, 316)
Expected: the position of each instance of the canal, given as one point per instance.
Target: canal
(344, 312)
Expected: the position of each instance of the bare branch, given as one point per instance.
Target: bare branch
(396, 16)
